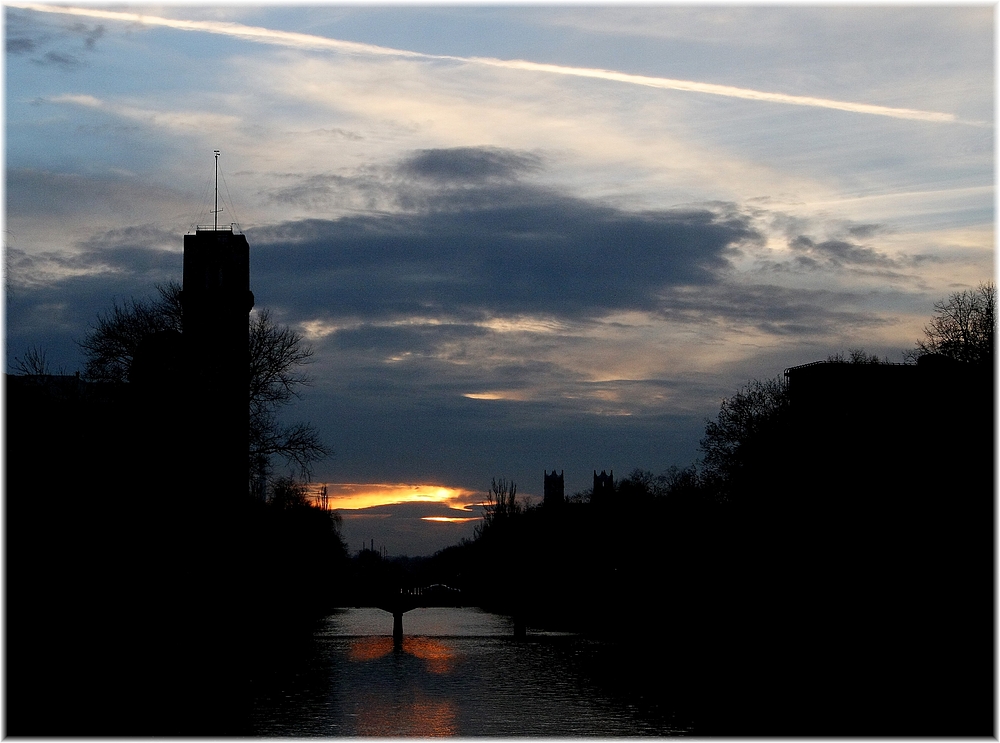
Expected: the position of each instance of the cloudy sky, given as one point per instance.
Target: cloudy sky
(517, 238)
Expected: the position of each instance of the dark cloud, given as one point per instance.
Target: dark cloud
(90, 35)
(468, 165)
(418, 182)
(842, 253)
(864, 230)
(776, 310)
(20, 45)
(27, 34)
(59, 59)
(497, 246)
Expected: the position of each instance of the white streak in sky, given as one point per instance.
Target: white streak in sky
(309, 41)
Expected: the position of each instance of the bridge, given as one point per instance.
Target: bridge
(399, 602)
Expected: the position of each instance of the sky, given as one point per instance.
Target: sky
(517, 238)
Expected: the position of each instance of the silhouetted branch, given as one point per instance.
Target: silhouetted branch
(856, 356)
(276, 355)
(110, 345)
(32, 362)
(964, 326)
(501, 505)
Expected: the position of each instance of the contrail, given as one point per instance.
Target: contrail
(309, 41)
(723, 90)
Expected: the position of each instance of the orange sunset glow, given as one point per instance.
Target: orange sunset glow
(439, 655)
(356, 496)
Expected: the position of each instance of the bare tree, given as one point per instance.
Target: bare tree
(32, 363)
(109, 347)
(963, 327)
(856, 356)
(500, 506)
(287, 493)
(323, 498)
(276, 357)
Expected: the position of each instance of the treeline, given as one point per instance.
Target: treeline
(825, 569)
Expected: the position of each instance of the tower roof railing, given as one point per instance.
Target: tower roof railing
(233, 227)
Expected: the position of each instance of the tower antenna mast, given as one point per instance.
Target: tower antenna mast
(217, 209)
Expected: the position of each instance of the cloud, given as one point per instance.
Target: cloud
(771, 309)
(171, 120)
(20, 45)
(24, 38)
(496, 247)
(466, 165)
(403, 529)
(430, 499)
(840, 253)
(66, 196)
(59, 59)
(312, 42)
(90, 35)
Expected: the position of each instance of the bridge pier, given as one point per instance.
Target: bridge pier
(397, 629)
(520, 628)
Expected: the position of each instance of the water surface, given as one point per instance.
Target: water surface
(459, 672)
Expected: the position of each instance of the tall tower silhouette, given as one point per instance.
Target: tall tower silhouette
(554, 489)
(216, 298)
(604, 486)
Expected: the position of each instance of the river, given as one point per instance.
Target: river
(459, 672)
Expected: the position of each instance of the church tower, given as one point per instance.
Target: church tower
(604, 486)
(554, 490)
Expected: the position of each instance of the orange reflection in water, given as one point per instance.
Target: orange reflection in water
(369, 648)
(419, 717)
(406, 715)
(439, 656)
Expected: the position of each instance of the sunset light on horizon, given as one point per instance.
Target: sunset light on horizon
(359, 496)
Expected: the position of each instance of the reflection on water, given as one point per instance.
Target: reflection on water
(438, 655)
(459, 672)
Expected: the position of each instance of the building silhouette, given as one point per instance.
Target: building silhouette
(885, 497)
(555, 492)
(604, 486)
(216, 298)
(155, 542)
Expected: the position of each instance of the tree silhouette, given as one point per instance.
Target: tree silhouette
(744, 428)
(963, 327)
(501, 505)
(32, 362)
(110, 346)
(856, 356)
(277, 355)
